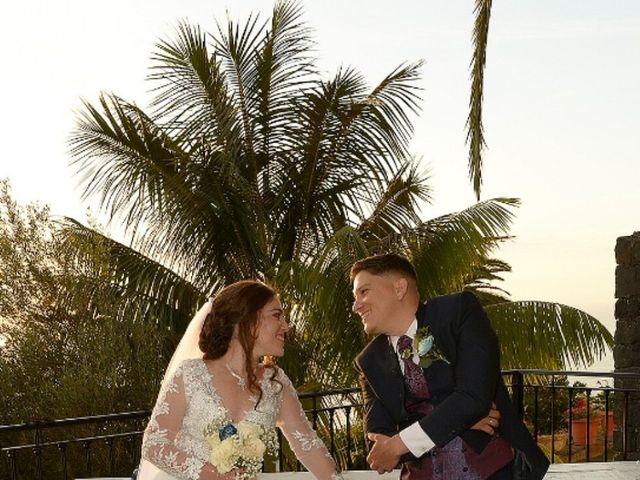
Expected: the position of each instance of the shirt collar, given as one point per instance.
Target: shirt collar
(411, 332)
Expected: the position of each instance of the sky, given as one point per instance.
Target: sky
(561, 110)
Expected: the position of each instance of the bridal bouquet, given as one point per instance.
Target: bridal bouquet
(241, 446)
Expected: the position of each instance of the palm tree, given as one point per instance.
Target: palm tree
(249, 164)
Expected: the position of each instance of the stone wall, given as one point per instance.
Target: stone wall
(626, 352)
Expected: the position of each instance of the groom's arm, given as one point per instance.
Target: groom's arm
(476, 370)
(385, 447)
(377, 418)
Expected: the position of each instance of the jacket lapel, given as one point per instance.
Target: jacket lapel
(423, 321)
(385, 377)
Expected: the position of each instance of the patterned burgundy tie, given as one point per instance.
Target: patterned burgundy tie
(413, 376)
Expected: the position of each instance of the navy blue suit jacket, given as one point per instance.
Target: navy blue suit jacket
(461, 390)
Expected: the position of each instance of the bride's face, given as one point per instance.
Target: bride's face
(272, 327)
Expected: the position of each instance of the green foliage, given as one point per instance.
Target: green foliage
(65, 351)
(544, 335)
(552, 400)
(52, 320)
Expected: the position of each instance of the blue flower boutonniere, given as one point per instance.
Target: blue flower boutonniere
(424, 346)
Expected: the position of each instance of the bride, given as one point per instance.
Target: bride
(215, 387)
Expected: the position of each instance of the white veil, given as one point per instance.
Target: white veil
(188, 346)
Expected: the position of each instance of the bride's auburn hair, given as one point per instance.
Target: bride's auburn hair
(236, 304)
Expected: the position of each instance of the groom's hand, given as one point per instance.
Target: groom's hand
(490, 423)
(386, 452)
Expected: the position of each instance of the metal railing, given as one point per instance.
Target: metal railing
(567, 432)
(31, 451)
(110, 444)
(36, 450)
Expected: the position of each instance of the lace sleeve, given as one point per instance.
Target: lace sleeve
(302, 438)
(164, 438)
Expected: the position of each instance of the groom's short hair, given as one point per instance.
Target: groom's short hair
(388, 262)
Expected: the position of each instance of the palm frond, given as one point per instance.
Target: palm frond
(397, 207)
(126, 160)
(192, 98)
(475, 132)
(146, 290)
(347, 143)
(547, 335)
(480, 278)
(284, 68)
(447, 249)
(332, 335)
(236, 46)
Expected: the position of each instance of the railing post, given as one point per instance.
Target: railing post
(12, 464)
(112, 459)
(588, 441)
(86, 445)
(553, 418)
(37, 450)
(332, 433)
(349, 443)
(63, 452)
(517, 385)
(571, 439)
(536, 427)
(606, 426)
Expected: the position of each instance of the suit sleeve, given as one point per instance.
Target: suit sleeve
(376, 417)
(476, 371)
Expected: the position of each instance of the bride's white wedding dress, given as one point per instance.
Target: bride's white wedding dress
(174, 445)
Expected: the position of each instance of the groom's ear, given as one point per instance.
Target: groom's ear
(401, 286)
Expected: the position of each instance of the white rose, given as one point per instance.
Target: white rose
(213, 441)
(224, 456)
(249, 429)
(254, 448)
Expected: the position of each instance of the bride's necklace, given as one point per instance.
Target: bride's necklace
(239, 379)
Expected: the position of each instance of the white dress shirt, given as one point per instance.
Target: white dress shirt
(416, 440)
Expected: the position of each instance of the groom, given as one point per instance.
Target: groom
(425, 401)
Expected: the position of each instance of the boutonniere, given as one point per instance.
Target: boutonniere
(424, 346)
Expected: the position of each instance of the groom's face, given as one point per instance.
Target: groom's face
(375, 301)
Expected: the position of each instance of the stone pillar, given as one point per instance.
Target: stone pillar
(626, 351)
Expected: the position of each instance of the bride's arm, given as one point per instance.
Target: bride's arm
(160, 443)
(302, 438)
